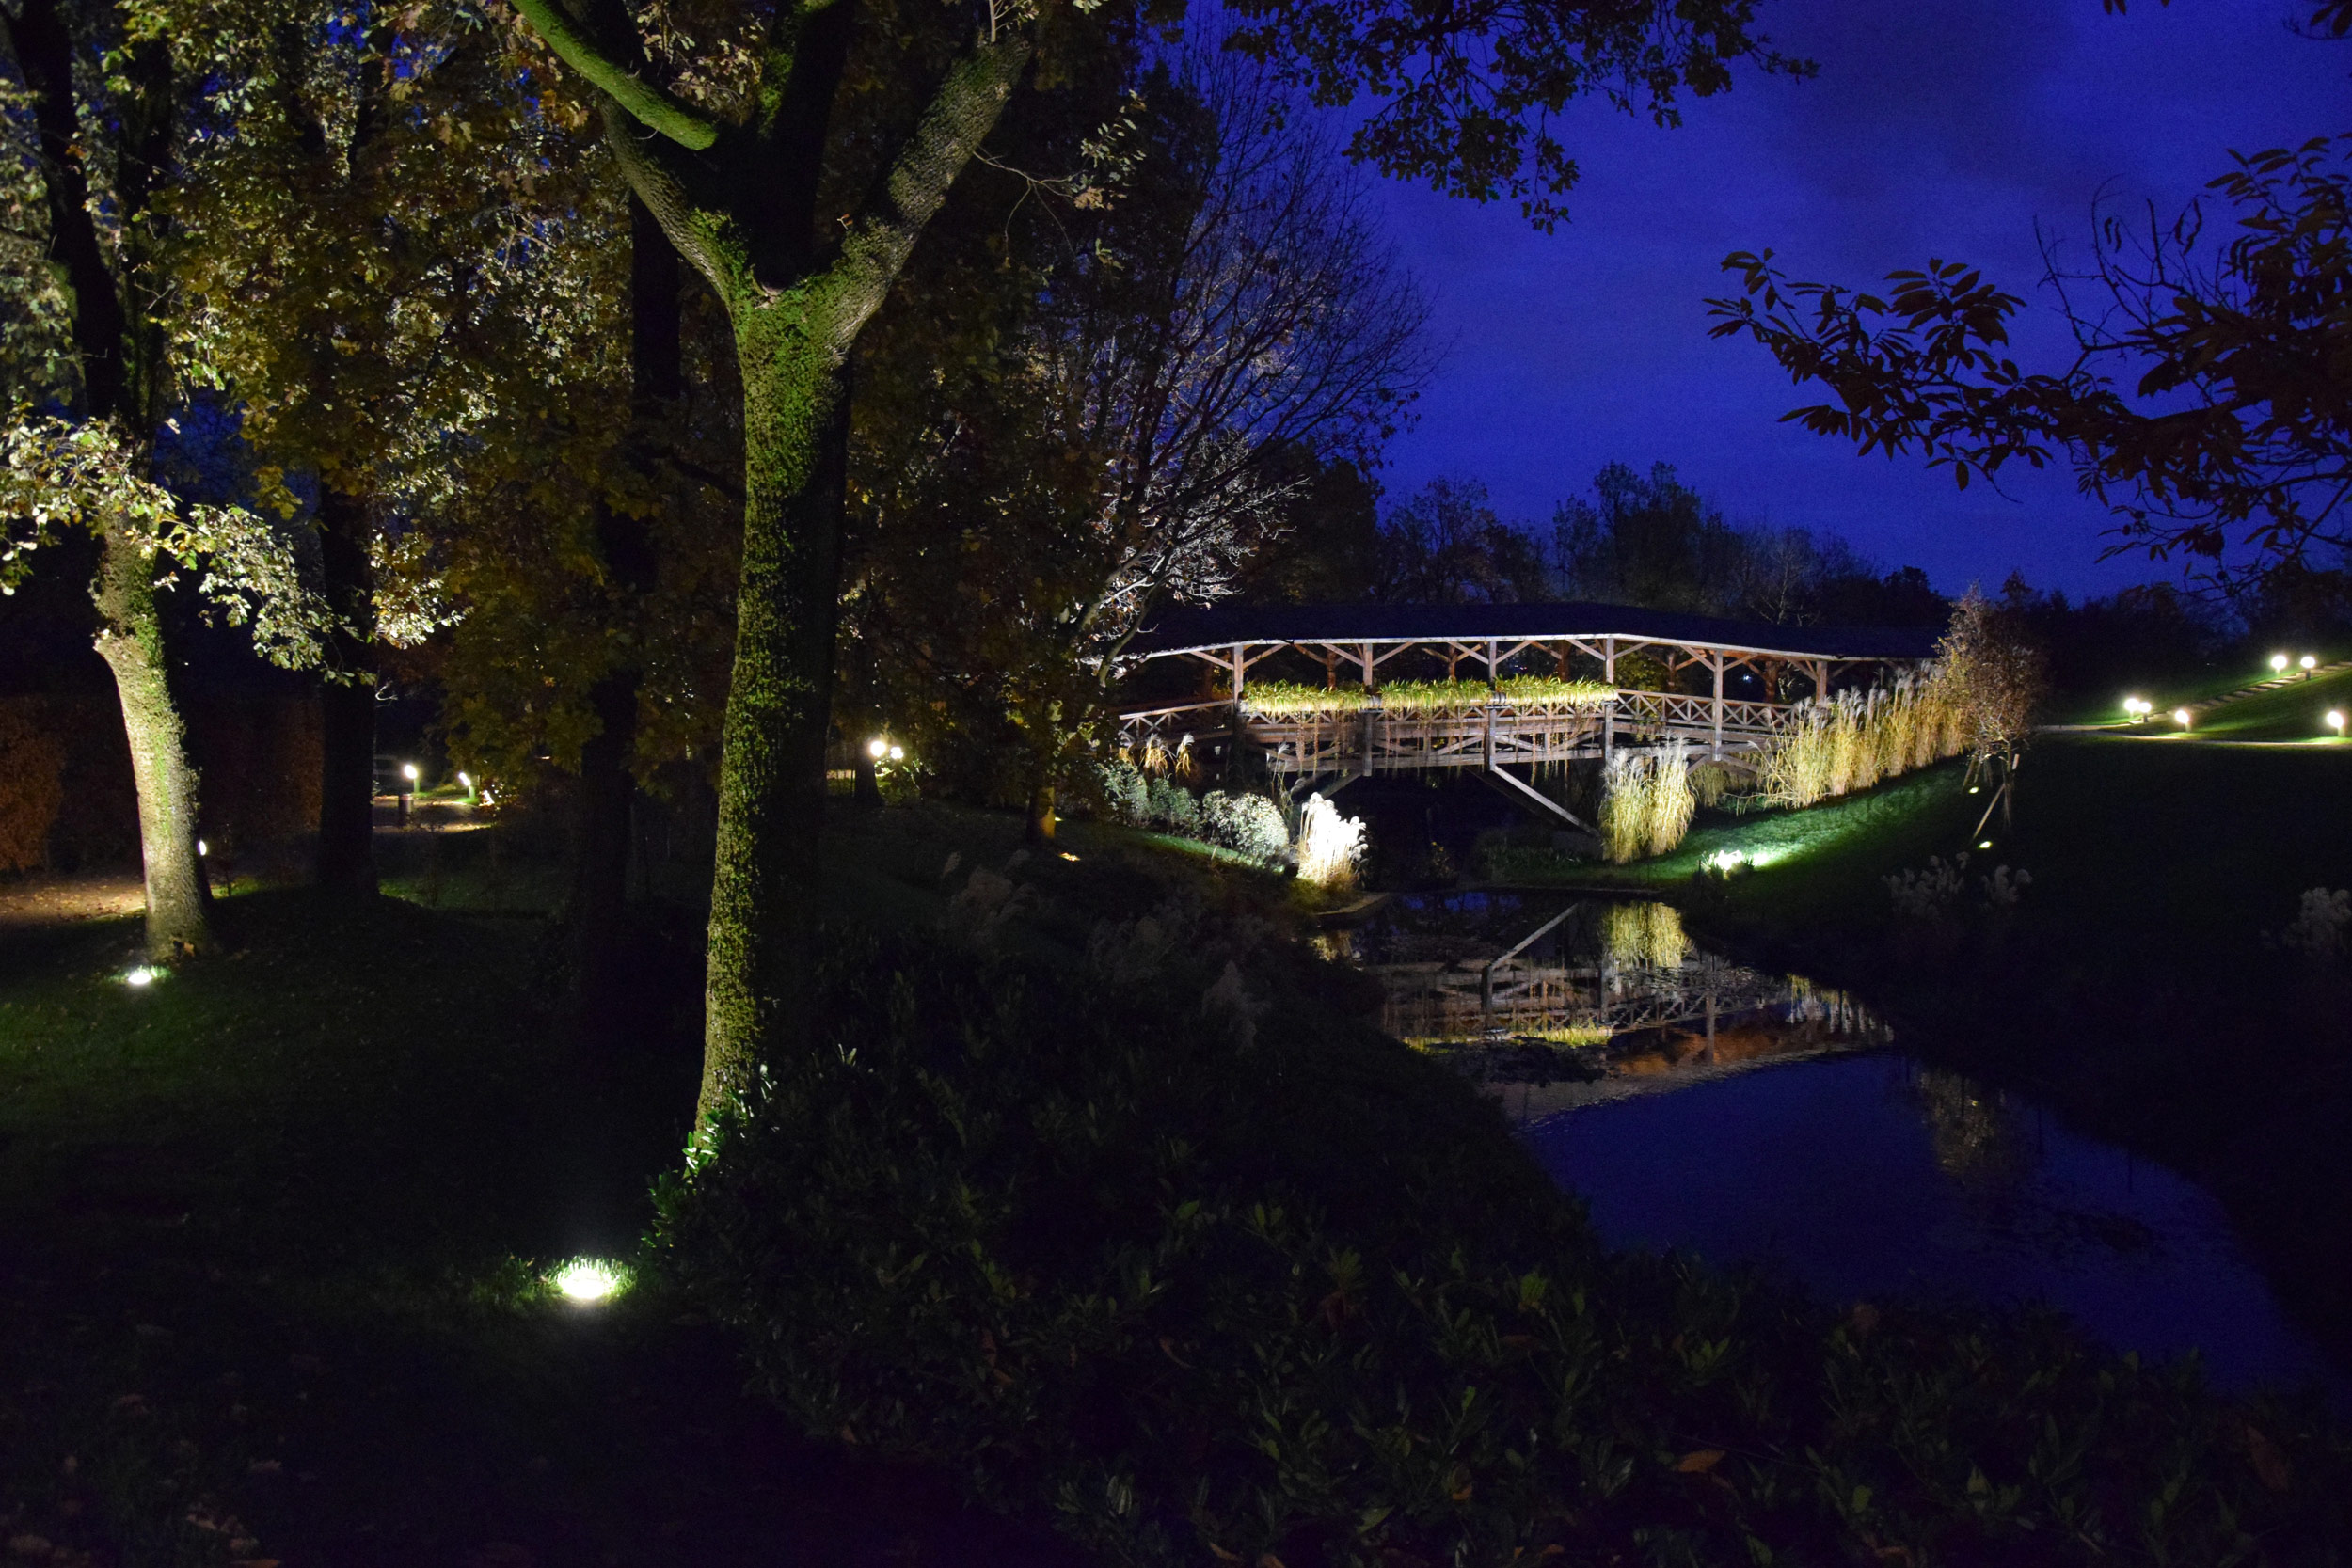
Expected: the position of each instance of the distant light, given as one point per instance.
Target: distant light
(2308, 663)
(2179, 717)
(1984, 844)
(585, 1279)
(2335, 720)
(140, 976)
(1068, 856)
(878, 748)
(201, 849)
(1972, 788)
(898, 754)
(2277, 661)
(408, 771)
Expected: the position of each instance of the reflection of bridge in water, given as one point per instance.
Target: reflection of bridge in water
(1600, 1001)
(1748, 677)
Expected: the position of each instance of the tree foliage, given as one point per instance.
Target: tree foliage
(1466, 93)
(2209, 404)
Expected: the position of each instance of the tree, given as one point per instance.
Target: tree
(1167, 362)
(793, 159)
(2000, 678)
(1446, 543)
(377, 187)
(109, 116)
(1649, 540)
(2207, 406)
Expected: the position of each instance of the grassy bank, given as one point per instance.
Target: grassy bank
(273, 1238)
(2131, 983)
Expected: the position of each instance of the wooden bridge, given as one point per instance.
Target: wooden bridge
(1748, 677)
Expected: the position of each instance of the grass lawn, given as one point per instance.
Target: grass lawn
(273, 1234)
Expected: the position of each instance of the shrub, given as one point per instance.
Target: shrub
(1217, 1289)
(1126, 794)
(1251, 825)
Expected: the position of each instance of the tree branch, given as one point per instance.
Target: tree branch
(958, 119)
(651, 105)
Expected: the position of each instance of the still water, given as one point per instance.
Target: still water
(1745, 1116)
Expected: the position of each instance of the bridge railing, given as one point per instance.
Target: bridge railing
(1370, 739)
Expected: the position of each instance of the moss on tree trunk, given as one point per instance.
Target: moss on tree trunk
(771, 782)
(131, 640)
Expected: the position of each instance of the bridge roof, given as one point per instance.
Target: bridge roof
(1201, 630)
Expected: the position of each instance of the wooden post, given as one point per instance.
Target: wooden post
(1717, 660)
(1492, 681)
(1609, 719)
(1366, 657)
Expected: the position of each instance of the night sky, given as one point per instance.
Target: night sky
(1936, 127)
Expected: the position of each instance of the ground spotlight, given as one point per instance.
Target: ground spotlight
(2335, 722)
(142, 976)
(588, 1280)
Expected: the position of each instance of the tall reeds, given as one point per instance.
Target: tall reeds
(1645, 936)
(1856, 739)
(1646, 802)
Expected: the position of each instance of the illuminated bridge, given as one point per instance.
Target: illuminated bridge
(1486, 687)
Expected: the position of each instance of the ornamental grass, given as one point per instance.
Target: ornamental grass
(1283, 699)
(1857, 740)
(1645, 935)
(1646, 802)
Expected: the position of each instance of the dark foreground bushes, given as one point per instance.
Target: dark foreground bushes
(1221, 1279)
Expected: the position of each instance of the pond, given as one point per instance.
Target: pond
(1749, 1118)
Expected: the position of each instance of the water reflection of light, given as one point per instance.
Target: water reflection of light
(1564, 1003)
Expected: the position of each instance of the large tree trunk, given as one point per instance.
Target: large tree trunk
(771, 783)
(346, 848)
(131, 640)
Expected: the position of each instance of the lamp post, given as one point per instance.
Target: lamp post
(2335, 722)
(408, 787)
(2181, 716)
(2278, 664)
(2309, 663)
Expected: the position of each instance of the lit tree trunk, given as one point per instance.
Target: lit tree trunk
(131, 640)
(771, 782)
(739, 200)
(120, 353)
(346, 846)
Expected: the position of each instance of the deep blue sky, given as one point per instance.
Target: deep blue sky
(1941, 127)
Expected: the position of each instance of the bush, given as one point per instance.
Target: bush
(1215, 1291)
(1249, 825)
